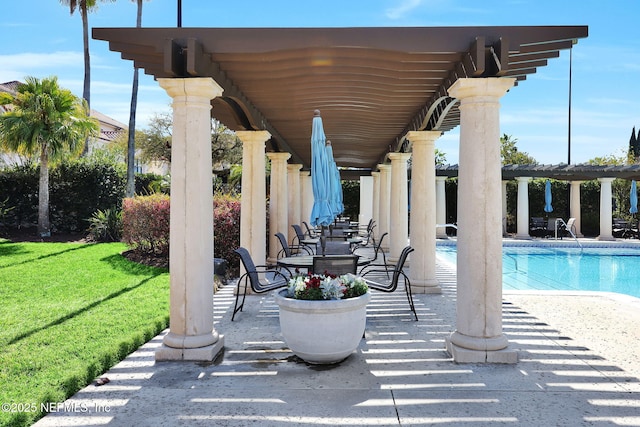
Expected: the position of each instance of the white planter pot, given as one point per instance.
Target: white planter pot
(322, 332)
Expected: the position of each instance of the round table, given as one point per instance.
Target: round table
(306, 261)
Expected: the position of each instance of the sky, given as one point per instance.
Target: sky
(42, 39)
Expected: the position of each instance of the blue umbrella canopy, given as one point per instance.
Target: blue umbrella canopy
(547, 197)
(335, 194)
(321, 212)
(633, 198)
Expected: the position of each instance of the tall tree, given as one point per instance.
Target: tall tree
(131, 142)
(84, 6)
(634, 146)
(510, 154)
(49, 122)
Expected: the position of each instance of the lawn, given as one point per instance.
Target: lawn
(68, 312)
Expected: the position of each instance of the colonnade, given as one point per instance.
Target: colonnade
(478, 336)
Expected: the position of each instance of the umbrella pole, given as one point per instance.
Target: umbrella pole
(323, 239)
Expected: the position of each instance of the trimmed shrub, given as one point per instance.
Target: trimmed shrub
(145, 223)
(106, 226)
(226, 213)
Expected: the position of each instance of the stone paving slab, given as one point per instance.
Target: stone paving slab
(569, 374)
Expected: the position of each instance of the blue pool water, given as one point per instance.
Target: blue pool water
(566, 269)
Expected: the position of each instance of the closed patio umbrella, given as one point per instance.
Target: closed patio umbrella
(321, 212)
(633, 198)
(335, 194)
(547, 197)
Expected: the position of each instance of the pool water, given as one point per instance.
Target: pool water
(566, 269)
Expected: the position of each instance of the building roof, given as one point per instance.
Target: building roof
(372, 85)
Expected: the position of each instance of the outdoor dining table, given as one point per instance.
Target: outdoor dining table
(306, 261)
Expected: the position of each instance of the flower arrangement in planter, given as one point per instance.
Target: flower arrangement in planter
(326, 287)
(323, 316)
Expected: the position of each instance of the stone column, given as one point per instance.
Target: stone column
(385, 200)
(253, 227)
(366, 200)
(191, 334)
(375, 202)
(504, 209)
(278, 199)
(294, 194)
(574, 206)
(523, 208)
(306, 195)
(399, 205)
(441, 202)
(423, 215)
(606, 210)
(478, 336)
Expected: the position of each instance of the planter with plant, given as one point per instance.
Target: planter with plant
(323, 317)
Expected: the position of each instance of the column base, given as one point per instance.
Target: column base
(606, 238)
(425, 286)
(205, 354)
(523, 237)
(465, 355)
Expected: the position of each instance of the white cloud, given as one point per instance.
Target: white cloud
(402, 9)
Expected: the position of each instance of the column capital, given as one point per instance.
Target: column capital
(395, 157)
(253, 136)
(441, 178)
(523, 178)
(375, 174)
(606, 179)
(204, 87)
(575, 182)
(423, 136)
(294, 167)
(473, 87)
(279, 156)
(384, 167)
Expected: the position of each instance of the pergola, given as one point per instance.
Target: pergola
(386, 94)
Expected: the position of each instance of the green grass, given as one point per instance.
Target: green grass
(68, 312)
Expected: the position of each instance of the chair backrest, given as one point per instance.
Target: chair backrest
(400, 264)
(571, 225)
(378, 248)
(249, 266)
(285, 246)
(336, 264)
(299, 232)
(310, 232)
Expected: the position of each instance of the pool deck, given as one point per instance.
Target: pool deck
(579, 365)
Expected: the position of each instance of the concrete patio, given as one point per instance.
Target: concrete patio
(578, 367)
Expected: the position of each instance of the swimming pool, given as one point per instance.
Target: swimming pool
(566, 269)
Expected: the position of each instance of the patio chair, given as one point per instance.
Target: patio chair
(261, 278)
(291, 250)
(373, 275)
(377, 252)
(311, 232)
(300, 236)
(335, 264)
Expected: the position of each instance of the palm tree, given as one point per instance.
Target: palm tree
(84, 6)
(49, 122)
(131, 143)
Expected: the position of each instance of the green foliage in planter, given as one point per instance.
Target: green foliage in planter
(145, 223)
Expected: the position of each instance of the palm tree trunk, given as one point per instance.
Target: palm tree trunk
(44, 228)
(131, 143)
(86, 91)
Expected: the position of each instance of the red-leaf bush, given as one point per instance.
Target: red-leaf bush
(145, 223)
(226, 223)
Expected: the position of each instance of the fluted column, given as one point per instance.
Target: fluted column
(191, 334)
(294, 194)
(375, 202)
(423, 212)
(366, 200)
(278, 199)
(399, 205)
(574, 206)
(479, 336)
(523, 208)
(606, 209)
(385, 200)
(441, 202)
(253, 212)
